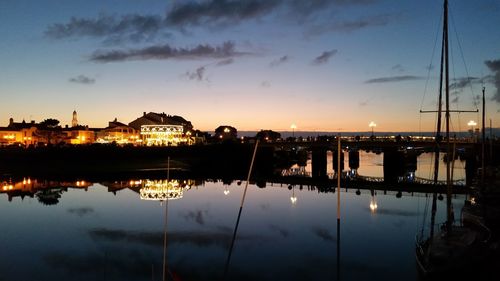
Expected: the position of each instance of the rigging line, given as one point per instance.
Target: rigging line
(469, 81)
(429, 68)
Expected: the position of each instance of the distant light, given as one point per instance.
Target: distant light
(227, 130)
(372, 124)
(293, 126)
(472, 123)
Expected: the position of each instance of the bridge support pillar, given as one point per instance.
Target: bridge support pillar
(393, 165)
(318, 162)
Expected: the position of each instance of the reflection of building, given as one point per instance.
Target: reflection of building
(119, 133)
(160, 190)
(30, 187)
(162, 129)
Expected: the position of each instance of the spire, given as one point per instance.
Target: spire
(74, 122)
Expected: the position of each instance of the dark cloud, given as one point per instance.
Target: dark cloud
(165, 52)
(218, 12)
(393, 79)
(82, 79)
(225, 62)
(197, 75)
(324, 57)
(82, 211)
(210, 13)
(279, 61)
(133, 27)
(323, 233)
(461, 83)
(494, 66)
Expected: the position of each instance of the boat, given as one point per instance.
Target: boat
(454, 250)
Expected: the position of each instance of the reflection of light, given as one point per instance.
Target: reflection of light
(135, 182)
(226, 192)
(160, 190)
(373, 205)
(293, 198)
(373, 202)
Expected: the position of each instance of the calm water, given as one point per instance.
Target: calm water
(93, 233)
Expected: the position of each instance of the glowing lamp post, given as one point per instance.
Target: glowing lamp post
(293, 127)
(372, 125)
(472, 124)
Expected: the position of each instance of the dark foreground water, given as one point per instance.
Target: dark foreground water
(105, 231)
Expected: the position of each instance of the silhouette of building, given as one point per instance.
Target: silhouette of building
(74, 122)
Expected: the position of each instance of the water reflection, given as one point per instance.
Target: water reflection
(161, 190)
(103, 231)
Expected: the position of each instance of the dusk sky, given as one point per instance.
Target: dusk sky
(325, 65)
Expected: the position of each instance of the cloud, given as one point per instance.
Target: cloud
(494, 66)
(324, 57)
(82, 211)
(218, 12)
(226, 12)
(132, 27)
(197, 75)
(82, 79)
(324, 234)
(279, 61)
(460, 83)
(393, 79)
(165, 52)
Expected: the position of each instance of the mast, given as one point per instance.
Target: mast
(449, 214)
(483, 142)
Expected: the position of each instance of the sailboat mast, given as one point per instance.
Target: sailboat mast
(449, 215)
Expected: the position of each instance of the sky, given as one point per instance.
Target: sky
(323, 65)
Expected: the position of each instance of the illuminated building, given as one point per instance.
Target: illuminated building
(162, 134)
(162, 129)
(119, 133)
(80, 135)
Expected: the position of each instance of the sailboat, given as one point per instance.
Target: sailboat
(454, 250)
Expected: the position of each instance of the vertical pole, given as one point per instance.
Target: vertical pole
(483, 142)
(449, 211)
(239, 213)
(339, 173)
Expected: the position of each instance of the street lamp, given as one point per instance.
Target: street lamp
(372, 125)
(293, 127)
(472, 124)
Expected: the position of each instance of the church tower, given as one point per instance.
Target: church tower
(74, 122)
